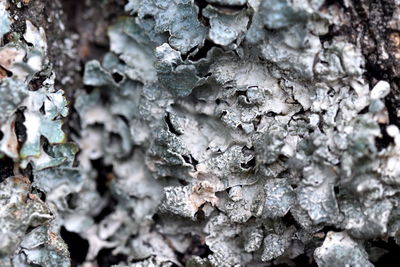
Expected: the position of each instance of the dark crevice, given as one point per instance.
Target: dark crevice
(304, 260)
(241, 93)
(229, 9)
(190, 160)
(336, 189)
(139, 260)
(124, 119)
(41, 194)
(328, 3)
(203, 51)
(250, 164)
(289, 220)
(5, 73)
(364, 110)
(117, 77)
(147, 16)
(171, 128)
(392, 105)
(193, 160)
(197, 247)
(331, 228)
(20, 129)
(391, 256)
(106, 258)
(385, 140)
(7, 168)
(271, 114)
(27, 172)
(104, 175)
(36, 83)
(186, 159)
(41, 110)
(257, 122)
(114, 138)
(182, 182)
(29, 229)
(207, 75)
(201, 4)
(284, 174)
(78, 247)
(72, 200)
(107, 210)
(248, 151)
(46, 146)
(186, 55)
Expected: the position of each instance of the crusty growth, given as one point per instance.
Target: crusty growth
(212, 133)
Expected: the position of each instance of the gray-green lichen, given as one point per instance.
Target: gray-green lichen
(31, 120)
(226, 124)
(5, 21)
(264, 125)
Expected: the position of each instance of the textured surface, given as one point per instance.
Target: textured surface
(210, 133)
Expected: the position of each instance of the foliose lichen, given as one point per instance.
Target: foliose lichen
(230, 125)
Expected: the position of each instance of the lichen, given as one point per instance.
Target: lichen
(212, 133)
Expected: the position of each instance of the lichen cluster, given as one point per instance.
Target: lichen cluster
(226, 122)
(31, 135)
